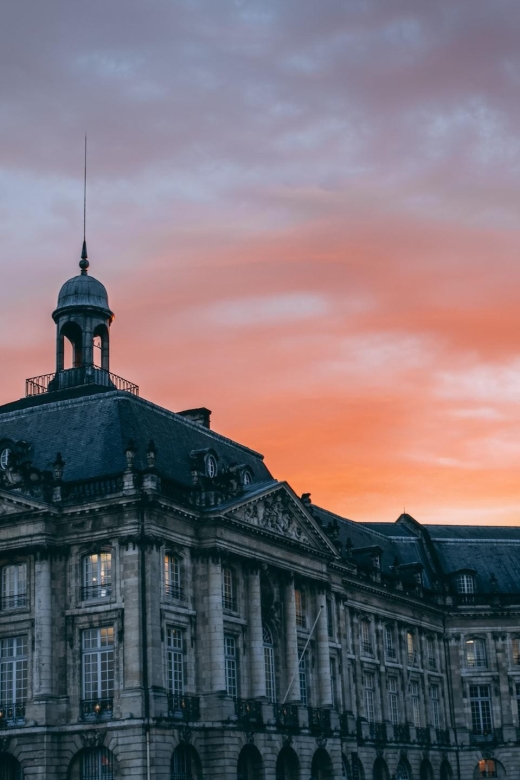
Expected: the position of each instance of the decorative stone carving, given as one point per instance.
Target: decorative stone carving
(4, 743)
(273, 514)
(287, 740)
(321, 741)
(92, 739)
(250, 736)
(185, 734)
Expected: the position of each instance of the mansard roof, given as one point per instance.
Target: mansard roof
(93, 431)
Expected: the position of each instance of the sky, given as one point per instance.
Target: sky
(307, 218)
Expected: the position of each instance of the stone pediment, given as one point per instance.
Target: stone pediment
(11, 504)
(281, 513)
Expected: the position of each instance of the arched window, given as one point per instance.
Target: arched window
(270, 675)
(287, 765)
(345, 768)
(250, 765)
(402, 772)
(476, 653)
(322, 766)
(446, 770)
(465, 583)
(487, 767)
(380, 770)
(185, 764)
(97, 764)
(97, 576)
(229, 594)
(426, 771)
(14, 586)
(73, 347)
(10, 768)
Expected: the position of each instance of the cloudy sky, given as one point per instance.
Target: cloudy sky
(307, 217)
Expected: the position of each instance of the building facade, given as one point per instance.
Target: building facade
(169, 610)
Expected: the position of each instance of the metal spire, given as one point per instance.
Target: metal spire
(84, 263)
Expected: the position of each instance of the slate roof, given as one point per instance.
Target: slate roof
(92, 432)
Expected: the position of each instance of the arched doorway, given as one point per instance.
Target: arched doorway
(185, 764)
(380, 771)
(10, 768)
(94, 764)
(489, 767)
(403, 771)
(357, 767)
(250, 765)
(446, 770)
(426, 770)
(322, 766)
(287, 765)
(345, 768)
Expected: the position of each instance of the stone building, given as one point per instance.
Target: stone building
(169, 610)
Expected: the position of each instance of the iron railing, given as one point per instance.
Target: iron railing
(492, 737)
(92, 592)
(286, 716)
(12, 715)
(319, 719)
(229, 602)
(443, 736)
(74, 377)
(96, 709)
(377, 732)
(249, 711)
(174, 591)
(402, 732)
(183, 707)
(422, 735)
(17, 601)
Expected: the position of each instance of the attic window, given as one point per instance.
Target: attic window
(4, 458)
(247, 477)
(465, 583)
(211, 466)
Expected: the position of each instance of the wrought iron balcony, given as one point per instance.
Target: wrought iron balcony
(174, 591)
(18, 601)
(422, 735)
(96, 709)
(75, 377)
(319, 719)
(249, 711)
(229, 603)
(183, 707)
(12, 715)
(402, 732)
(286, 716)
(377, 732)
(443, 736)
(343, 724)
(491, 737)
(101, 591)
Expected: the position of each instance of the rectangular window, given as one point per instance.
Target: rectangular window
(414, 699)
(476, 653)
(410, 646)
(368, 690)
(333, 681)
(435, 705)
(518, 701)
(13, 674)
(229, 598)
(389, 643)
(14, 586)
(300, 608)
(98, 663)
(480, 702)
(366, 643)
(270, 679)
(231, 665)
(172, 577)
(430, 649)
(97, 576)
(393, 699)
(330, 618)
(175, 660)
(303, 682)
(516, 651)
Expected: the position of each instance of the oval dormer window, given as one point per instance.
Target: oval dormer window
(4, 458)
(211, 466)
(247, 477)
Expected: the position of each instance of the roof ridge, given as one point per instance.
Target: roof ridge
(358, 523)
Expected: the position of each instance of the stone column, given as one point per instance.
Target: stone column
(256, 641)
(323, 654)
(42, 627)
(217, 682)
(132, 698)
(291, 643)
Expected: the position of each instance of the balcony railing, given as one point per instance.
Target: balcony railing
(402, 733)
(249, 711)
(443, 736)
(174, 591)
(12, 715)
(366, 648)
(493, 737)
(377, 732)
(183, 707)
(92, 592)
(96, 709)
(300, 620)
(229, 603)
(286, 716)
(422, 735)
(319, 720)
(17, 601)
(75, 377)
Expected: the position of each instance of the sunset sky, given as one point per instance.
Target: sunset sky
(307, 216)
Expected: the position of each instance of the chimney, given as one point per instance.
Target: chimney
(200, 416)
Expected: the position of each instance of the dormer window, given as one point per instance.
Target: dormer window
(247, 477)
(465, 583)
(376, 561)
(4, 458)
(211, 466)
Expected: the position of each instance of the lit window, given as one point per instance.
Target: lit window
(476, 653)
(413, 689)
(14, 586)
(368, 691)
(4, 458)
(175, 660)
(211, 466)
(13, 679)
(430, 649)
(465, 583)
(98, 672)
(247, 477)
(229, 596)
(231, 665)
(97, 764)
(480, 702)
(303, 681)
(516, 651)
(270, 679)
(389, 643)
(410, 646)
(299, 606)
(172, 577)
(487, 767)
(434, 700)
(393, 698)
(97, 576)
(366, 642)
